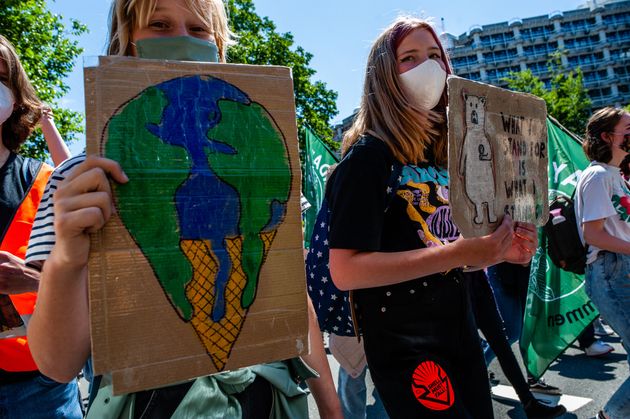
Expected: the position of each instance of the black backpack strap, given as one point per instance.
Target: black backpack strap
(30, 168)
(28, 172)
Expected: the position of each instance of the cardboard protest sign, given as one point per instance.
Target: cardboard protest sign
(497, 156)
(201, 268)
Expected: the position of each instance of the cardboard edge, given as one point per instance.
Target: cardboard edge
(455, 82)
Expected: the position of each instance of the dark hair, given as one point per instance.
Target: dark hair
(601, 122)
(27, 110)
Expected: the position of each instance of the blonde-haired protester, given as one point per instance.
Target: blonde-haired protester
(405, 264)
(602, 210)
(191, 30)
(24, 391)
(141, 20)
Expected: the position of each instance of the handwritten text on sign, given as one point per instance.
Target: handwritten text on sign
(497, 156)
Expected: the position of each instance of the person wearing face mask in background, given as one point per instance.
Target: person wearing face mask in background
(24, 391)
(404, 265)
(602, 209)
(188, 30)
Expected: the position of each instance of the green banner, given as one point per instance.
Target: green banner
(558, 308)
(317, 160)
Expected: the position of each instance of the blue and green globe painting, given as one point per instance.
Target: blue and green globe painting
(210, 178)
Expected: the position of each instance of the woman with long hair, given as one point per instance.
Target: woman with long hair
(399, 250)
(24, 390)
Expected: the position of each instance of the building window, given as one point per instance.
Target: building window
(586, 59)
(537, 32)
(584, 41)
(622, 72)
(595, 76)
(540, 49)
(538, 67)
(619, 53)
(578, 25)
(618, 36)
(499, 56)
(475, 75)
(500, 73)
(620, 18)
(600, 93)
(496, 39)
(463, 61)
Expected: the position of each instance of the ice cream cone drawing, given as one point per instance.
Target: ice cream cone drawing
(222, 170)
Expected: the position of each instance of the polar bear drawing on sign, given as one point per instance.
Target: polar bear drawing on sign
(476, 161)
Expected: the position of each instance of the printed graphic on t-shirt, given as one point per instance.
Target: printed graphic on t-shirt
(426, 191)
(622, 205)
(432, 386)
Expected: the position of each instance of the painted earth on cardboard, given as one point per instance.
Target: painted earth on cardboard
(209, 183)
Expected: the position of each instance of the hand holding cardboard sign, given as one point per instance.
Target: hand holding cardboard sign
(83, 204)
(524, 243)
(490, 249)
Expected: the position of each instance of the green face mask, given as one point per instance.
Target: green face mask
(180, 48)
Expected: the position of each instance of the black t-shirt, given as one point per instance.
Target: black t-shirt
(15, 182)
(418, 215)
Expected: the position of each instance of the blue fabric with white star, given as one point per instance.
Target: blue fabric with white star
(331, 304)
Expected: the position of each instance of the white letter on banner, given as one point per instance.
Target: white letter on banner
(572, 179)
(557, 170)
(317, 161)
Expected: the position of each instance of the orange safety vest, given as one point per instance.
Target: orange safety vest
(14, 352)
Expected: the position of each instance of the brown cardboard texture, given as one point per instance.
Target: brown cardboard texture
(200, 270)
(497, 156)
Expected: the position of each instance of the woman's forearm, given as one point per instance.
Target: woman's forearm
(58, 333)
(601, 239)
(356, 270)
(56, 145)
(352, 269)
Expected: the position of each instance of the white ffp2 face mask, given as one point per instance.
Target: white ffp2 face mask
(6, 103)
(423, 85)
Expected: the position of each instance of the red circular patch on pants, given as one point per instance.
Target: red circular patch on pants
(432, 387)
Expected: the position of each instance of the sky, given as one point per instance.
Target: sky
(338, 33)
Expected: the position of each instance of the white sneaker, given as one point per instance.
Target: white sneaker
(602, 329)
(598, 348)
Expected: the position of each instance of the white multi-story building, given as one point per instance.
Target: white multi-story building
(594, 37)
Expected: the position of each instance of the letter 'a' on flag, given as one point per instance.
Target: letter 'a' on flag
(317, 160)
(558, 308)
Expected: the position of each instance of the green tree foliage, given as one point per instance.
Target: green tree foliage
(567, 99)
(47, 50)
(260, 43)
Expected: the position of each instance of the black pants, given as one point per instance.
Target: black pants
(423, 349)
(490, 323)
(587, 337)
